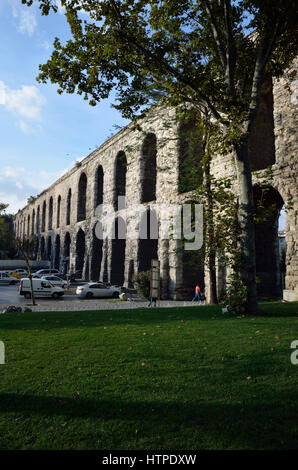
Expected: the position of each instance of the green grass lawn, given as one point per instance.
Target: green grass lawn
(168, 378)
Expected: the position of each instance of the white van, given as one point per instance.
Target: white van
(41, 288)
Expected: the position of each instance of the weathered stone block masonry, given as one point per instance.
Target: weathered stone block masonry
(145, 167)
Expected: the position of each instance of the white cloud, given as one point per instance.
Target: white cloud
(26, 18)
(28, 23)
(18, 183)
(26, 102)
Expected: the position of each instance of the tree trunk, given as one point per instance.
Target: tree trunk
(212, 278)
(211, 253)
(30, 278)
(246, 226)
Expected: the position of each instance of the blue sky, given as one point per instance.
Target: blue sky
(42, 133)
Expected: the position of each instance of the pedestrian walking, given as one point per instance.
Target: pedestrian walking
(197, 294)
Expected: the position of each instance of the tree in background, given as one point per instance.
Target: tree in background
(26, 248)
(7, 243)
(182, 51)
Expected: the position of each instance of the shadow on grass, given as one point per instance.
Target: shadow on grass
(253, 425)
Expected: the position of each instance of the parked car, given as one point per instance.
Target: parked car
(21, 272)
(97, 289)
(41, 288)
(55, 280)
(47, 272)
(11, 273)
(5, 279)
(74, 276)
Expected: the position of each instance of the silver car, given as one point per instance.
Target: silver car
(7, 280)
(97, 289)
(55, 281)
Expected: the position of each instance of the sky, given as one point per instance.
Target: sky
(42, 133)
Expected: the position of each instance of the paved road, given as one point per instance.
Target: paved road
(10, 295)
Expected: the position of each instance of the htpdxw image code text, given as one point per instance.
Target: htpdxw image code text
(150, 459)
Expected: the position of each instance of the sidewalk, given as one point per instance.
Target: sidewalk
(62, 306)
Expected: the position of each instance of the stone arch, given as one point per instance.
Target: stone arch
(82, 192)
(38, 220)
(148, 168)
(262, 140)
(98, 186)
(120, 177)
(96, 255)
(58, 210)
(148, 242)
(131, 273)
(36, 247)
(49, 248)
(80, 250)
(33, 222)
(268, 203)
(28, 225)
(66, 252)
(50, 226)
(68, 207)
(118, 252)
(192, 262)
(43, 216)
(42, 248)
(190, 153)
(57, 252)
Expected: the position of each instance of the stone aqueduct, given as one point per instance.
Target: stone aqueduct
(146, 168)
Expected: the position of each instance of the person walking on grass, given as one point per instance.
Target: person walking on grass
(197, 293)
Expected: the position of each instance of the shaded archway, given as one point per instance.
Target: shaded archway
(33, 222)
(118, 253)
(38, 220)
(35, 248)
(148, 242)
(80, 250)
(82, 190)
(28, 226)
(148, 169)
(268, 204)
(120, 177)
(262, 140)
(42, 248)
(43, 216)
(49, 249)
(50, 226)
(192, 261)
(191, 151)
(131, 273)
(68, 207)
(66, 252)
(58, 210)
(96, 255)
(57, 252)
(98, 187)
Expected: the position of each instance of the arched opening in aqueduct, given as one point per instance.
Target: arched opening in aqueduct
(268, 204)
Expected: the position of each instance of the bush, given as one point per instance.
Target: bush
(142, 283)
(236, 294)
